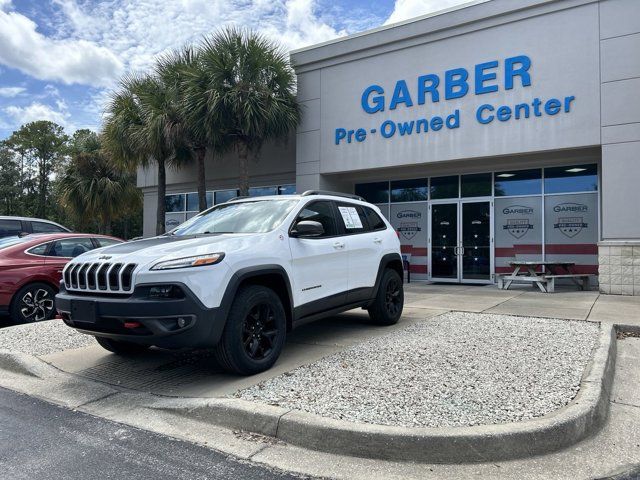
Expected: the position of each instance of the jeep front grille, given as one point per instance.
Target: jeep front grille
(99, 277)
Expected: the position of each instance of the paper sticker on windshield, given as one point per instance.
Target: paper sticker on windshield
(350, 217)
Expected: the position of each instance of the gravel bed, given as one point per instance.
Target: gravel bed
(457, 369)
(42, 338)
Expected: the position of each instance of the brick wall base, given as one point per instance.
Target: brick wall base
(619, 267)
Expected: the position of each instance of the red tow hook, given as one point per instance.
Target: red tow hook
(132, 324)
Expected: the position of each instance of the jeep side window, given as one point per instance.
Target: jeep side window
(353, 218)
(323, 213)
(375, 222)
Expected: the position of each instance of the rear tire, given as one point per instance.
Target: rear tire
(35, 302)
(254, 333)
(121, 348)
(386, 309)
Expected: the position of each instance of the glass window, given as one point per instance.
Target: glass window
(71, 247)
(286, 189)
(10, 227)
(174, 203)
(262, 191)
(576, 178)
(518, 182)
(107, 242)
(377, 192)
(193, 203)
(476, 185)
(353, 218)
(39, 250)
(518, 231)
(444, 187)
(257, 216)
(410, 190)
(323, 213)
(45, 227)
(374, 220)
(225, 195)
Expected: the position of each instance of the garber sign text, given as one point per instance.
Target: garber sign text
(454, 84)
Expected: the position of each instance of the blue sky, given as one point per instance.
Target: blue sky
(59, 59)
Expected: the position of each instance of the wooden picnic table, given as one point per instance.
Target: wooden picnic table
(544, 281)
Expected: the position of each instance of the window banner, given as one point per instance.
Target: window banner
(409, 220)
(172, 220)
(571, 230)
(518, 231)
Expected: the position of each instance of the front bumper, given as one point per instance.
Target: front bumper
(138, 318)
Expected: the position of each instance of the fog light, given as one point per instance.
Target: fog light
(181, 322)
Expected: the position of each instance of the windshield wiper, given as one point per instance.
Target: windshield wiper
(211, 233)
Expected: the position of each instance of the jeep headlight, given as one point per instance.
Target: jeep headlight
(195, 261)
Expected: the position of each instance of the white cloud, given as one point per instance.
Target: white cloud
(39, 111)
(406, 9)
(65, 60)
(10, 92)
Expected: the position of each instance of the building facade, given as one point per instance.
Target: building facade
(502, 130)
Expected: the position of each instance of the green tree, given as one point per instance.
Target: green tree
(10, 194)
(93, 188)
(141, 129)
(247, 93)
(43, 144)
(176, 71)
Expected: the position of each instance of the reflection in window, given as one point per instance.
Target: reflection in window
(576, 178)
(518, 182)
(377, 192)
(476, 185)
(193, 204)
(225, 195)
(174, 203)
(262, 191)
(444, 187)
(410, 190)
(286, 189)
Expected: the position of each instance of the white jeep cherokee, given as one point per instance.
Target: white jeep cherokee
(238, 277)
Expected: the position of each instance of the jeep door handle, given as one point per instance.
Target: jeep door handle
(377, 240)
(338, 245)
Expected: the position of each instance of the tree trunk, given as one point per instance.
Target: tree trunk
(202, 179)
(162, 189)
(107, 223)
(243, 163)
(42, 194)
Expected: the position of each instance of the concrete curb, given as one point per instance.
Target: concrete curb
(560, 429)
(24, 364)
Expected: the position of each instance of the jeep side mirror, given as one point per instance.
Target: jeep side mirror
(306, 229)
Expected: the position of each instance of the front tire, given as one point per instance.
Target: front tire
(255, 331)
(34, 302)
(120, 347)
(387, 307)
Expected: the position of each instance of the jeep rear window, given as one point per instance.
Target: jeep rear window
(238, 217)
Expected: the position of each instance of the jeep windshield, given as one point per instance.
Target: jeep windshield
(257, 216)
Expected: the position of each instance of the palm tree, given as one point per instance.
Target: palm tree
(245, 93)
(144, 125)
(175, 70)
(93, 188)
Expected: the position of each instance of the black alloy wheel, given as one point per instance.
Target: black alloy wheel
(386, 308)
(254, 332)
(259, 331)
(392, 300)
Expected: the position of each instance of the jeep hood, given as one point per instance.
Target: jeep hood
(167, 247)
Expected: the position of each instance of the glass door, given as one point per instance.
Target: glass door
(444, 242)
(461, 236)
(475, 245)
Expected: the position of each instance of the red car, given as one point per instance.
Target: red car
(31, 269)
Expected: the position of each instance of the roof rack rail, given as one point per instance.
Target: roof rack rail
(333, 194)
(239, 197)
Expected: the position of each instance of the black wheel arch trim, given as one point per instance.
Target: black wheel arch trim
(390, 259)
(243, 275)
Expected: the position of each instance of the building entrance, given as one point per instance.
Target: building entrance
(461, 241)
